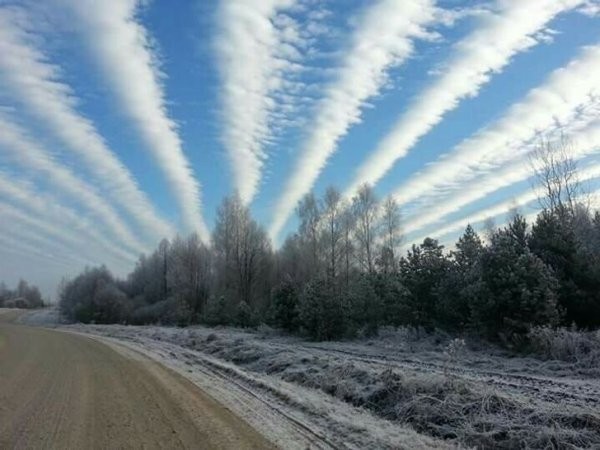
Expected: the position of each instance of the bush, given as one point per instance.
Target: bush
(579, 347)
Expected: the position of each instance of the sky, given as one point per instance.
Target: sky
(126, 121)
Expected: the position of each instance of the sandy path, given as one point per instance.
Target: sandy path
(60, 390)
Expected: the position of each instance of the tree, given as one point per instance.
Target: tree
(422, 271)
(390, 224)
(574, 263)
(347, 223)
(321, 312)
(309, 215)
(332, 230)
(285, 306)
(242, 252)
(189, 273)
(93, 297)
(364, 306)
(365, 207)
(456, 288)
(516, 290)
(555, 170)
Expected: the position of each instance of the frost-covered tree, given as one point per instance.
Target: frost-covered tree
(365, 207)
(332, 229)
(242, 253)
(390, 235)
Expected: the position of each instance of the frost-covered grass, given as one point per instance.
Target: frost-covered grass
(582, 348)
(45, 316)
(465, 394)
(462, 393)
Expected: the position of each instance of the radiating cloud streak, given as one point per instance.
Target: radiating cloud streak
(586, 140)
(383, 38)
(81, 230)
(557, 101)
(504, 207)
(254, 55)
(121, 47)
(508, 30)
(35, 83)
(27, 153)
(12, 243)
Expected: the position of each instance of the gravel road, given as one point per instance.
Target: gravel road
(61, 390)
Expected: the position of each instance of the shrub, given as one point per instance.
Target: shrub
(570, 345)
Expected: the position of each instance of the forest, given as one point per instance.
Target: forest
(341, 274)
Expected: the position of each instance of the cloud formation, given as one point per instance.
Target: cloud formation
(560, 100)
(47, 209)
(36, 83)
(256, 49)
(384, 37)
(510, 28)
(121, 47)
(21, 149)
(583, 131)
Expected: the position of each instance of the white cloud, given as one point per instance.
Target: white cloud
(585, 139)
(562, 99)
(510, 29)
(383, 38)
(503, 207)
(257, 49)
(21, 149)
(33, 81)
(122, 49)
(82, 230)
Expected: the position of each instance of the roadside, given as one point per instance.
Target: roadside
(399, 390)
(61, 390)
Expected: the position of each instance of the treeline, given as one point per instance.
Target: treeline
(340, 274)
(23, 296)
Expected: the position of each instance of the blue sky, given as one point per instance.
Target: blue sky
(124, 121)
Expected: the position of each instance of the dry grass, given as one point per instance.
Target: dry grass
(578, 347)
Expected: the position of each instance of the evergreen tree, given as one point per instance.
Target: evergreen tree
(321, 312)
(516, 290)
(455, 292)
(422, 271)
(285, 306)
(554, 240)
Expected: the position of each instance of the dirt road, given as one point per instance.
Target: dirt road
(60, 390)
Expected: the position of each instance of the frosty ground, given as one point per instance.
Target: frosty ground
(402, 389)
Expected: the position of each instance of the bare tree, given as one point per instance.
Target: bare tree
(555, 171)
(365, 207)
(347, 223)
(390, 224)
(332, 227)
(309, 214)
(190, 272)
(242, 249)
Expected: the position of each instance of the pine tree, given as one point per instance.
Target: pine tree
(516, 290)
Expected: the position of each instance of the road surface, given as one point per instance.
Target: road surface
(65, 391)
